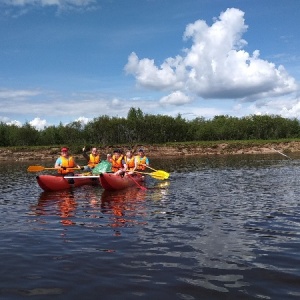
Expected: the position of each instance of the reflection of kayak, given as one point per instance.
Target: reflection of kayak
(56, 183)
(112, 182)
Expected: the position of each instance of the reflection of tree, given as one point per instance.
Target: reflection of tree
(60, 203)
(124, 207)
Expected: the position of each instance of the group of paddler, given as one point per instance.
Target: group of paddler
(121, 164)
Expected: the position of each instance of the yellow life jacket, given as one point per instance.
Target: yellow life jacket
(116, 164)
(94, 160)
(141, 161)
(66, 163)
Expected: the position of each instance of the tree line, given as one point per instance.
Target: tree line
(141, 128)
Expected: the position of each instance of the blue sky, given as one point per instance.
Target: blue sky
(69, 60)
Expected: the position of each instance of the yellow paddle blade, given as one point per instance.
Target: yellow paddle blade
(160, 174)
(155, 176)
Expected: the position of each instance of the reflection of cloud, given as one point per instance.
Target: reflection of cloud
(215, 66)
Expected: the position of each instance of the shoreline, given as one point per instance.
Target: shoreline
(156, 151)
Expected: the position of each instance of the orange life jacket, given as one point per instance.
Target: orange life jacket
(141, 161)
(130, 162)
(66, 163)
(116, 164)
(94, 160)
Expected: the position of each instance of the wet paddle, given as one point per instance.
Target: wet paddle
(41, 168)
(155, 175)
(282, 153)
(81, 177)
(140, 186)
(159, 173)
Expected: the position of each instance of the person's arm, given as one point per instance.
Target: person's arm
(136, 163)
(84, 154)
(147, 161)
(57, 163)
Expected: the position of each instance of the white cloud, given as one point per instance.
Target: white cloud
(215, 66)
(6, 94)
(175, 98)
(15, 122)
(61, 3)
(38, 123)
(25, 6)
(82, 120)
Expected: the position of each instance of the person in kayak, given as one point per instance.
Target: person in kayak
(130, 165)
(65, 164)
(93, 159)
(117, 162)
(141, 160)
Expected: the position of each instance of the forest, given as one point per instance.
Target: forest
(141, 128)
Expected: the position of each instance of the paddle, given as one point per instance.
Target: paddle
(80, 177)
(140, 186)
(281, 153)
(155, 175)
(159, 173)
(41, 168)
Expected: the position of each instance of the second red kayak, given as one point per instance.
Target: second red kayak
(112, 182)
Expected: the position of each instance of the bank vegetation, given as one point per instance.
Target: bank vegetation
(153, 131)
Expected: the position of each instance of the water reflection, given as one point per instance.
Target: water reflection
(219, 228)
(124, 208)
(62, 204)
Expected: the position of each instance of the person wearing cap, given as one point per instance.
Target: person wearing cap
(93, 158)
(65, 164)
(141, 160)
(117, 162)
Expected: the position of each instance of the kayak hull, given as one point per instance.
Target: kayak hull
(55, 183)
(112, 182)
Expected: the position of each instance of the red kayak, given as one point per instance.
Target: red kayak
(112, 182)
(56, 183)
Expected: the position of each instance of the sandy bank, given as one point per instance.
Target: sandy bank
(159, 151)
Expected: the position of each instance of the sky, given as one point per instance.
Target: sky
(75, 60)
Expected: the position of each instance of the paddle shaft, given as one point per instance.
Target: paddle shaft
(281, 153)
(42, 168)
(140, 186)
(81, 177)
(150, 167)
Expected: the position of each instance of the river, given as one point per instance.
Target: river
(221, 227)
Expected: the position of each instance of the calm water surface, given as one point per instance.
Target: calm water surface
(219, 228)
